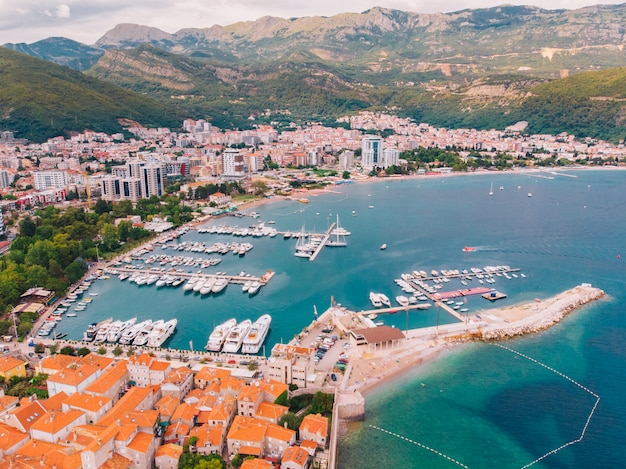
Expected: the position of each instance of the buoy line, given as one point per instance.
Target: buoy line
(593, 409)
(540, 458)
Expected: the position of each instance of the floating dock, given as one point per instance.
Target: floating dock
(319, 248)
(494, 295)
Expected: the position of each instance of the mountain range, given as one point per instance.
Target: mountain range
(478, 68)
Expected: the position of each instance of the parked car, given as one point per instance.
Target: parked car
(333, 376)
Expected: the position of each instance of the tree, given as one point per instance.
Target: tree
(345, 175)
(283, 399)
(322, 403)
(117, 351)
(292, 420)
(40, 348)
(237, 460)
(101, 207)
(102, 351)
(28, 228)
(68, 350)
(81, 352)
(54, 348)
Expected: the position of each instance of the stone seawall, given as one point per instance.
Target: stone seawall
(545, 313)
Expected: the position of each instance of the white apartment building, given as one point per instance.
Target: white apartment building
(47, 179)
(371, 152)
(233, 162)
(5, 179)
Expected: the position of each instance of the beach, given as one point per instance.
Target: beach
(369, 369)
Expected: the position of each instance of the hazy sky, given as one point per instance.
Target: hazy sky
(87, 20)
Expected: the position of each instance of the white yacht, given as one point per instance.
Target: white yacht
(158, 335)
(190, 284)
(254, 287)
(235, 337)
(207, 287)
(375, 299)
(199, 284)
(384, 299)
(219, 284)
(103, 331)
(256, 335)
(402, 300)
(131, 332)
(219, 334)
(246, 286)
(142, 336)
(115, 333)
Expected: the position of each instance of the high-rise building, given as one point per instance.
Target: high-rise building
(133, 181)
(372, 152)
(233, 163)
(5, 179)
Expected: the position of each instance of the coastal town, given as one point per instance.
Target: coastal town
(112, 405)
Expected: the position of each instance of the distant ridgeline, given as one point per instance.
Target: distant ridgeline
(461, 69)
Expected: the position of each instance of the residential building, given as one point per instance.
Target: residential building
(314, 427)
(145, 370)
(94, 407)
(11, 366)
(11, 439)
(177, 383)
(295, 458)
(46, 179)
(24, 416)
(54, 427)
(167, 456)
(73, 379)
(371, 152)
(233, 162)
(291, 364)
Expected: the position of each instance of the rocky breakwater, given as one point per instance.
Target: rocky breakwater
(540, 314)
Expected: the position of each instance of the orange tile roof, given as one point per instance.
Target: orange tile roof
(249, 394)
(7, 363)
(194, 394)
(177, 428)
(271, 411)
(256, 463)
(28, 414)
(170, 450)
(315, 423)
(296, 454)
(142, 442)
(108, 379)
(57, 362)
(53, 422)
(247, 429)
(178, 375)
(250, 450)
(127, 403)
(126, 432)
(309, 445)
(96, 360)
(208, 436)
(117, 461)
(74, 376)
(55, 402)
(167, 405)
(8, 401)
(184, 412)
(272, 387)
(232, 384)
(159, 366)
(142, 360)
(221, 411)
(103, 437)
(10, 436)
(37, 448)
(143, 418)
(280, 433)
(62, 460)
(87, 402)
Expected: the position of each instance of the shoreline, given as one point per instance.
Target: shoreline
(423, 347)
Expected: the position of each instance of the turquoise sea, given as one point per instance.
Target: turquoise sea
(479, 405)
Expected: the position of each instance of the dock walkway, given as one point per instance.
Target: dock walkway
(319, 248)
(231, 278)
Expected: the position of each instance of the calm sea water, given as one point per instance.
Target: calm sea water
(479, 404)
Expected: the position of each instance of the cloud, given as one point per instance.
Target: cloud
(61, 11)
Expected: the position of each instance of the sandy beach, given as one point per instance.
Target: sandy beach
(370, 368)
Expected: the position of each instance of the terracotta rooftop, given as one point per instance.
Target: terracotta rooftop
(10, 436)
(247, 429)
(86, 402)
(256, 463)
(142, 442)
(315, 423)
(54, 422)
(127, 403)
(170, 450)
(29, 413)
(74, 376)
(108, 379)
(296, 454)
(7, 363)
(268, 410)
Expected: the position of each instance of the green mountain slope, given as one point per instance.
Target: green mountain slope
(39, 100)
